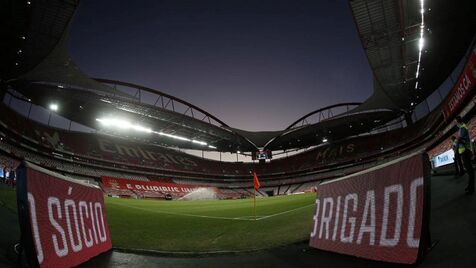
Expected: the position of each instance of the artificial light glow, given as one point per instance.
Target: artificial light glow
(53, 107)
(172, 136)
(199, 142)
(421, 41)
(122, 124)
(126, 125)
(324, 139)
(142, 129)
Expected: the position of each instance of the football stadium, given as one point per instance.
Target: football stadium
(101, 171)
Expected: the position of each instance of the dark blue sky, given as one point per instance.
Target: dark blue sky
(257, 65)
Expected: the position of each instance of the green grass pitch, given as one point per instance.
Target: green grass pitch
(203, 226)
(207, 226)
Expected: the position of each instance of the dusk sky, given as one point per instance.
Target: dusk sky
(256, 65)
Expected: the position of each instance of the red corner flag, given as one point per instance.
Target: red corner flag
(256, 181)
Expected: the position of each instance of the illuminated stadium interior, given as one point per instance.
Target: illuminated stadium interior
(125, 146)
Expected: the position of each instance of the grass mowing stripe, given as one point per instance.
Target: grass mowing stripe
(185, 214)
(242, 218)
(204, 226)
(289, 220)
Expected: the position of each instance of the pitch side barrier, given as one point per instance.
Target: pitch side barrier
(381, 213)
(63, 222)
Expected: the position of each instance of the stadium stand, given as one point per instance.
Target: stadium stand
(116, 152)
(90, 156)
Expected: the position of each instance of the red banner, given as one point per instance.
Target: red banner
(67, 219)
(377, 214)
(149, 186)
(462, 88)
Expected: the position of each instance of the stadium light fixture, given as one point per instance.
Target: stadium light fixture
(199, 142)
(141, 129)
(122, 124)
(106, 101)
(172, 136)
(126, 125)
(324, 139)
(53, 106)
(421, 41)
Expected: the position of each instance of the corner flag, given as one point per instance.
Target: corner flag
(257, 185)
(256, 181)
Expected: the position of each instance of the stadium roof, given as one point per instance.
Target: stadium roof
(412, 46)
(406, 70)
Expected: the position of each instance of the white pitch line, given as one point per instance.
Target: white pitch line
(185, 214)
(249, 217)
(284, 212)
(242, 218)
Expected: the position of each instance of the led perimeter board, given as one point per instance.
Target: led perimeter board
(63, 222)
(380, 214)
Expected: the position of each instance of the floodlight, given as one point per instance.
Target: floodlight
(199, 142)
(53, 107)
(421, 43)
(126, 125)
